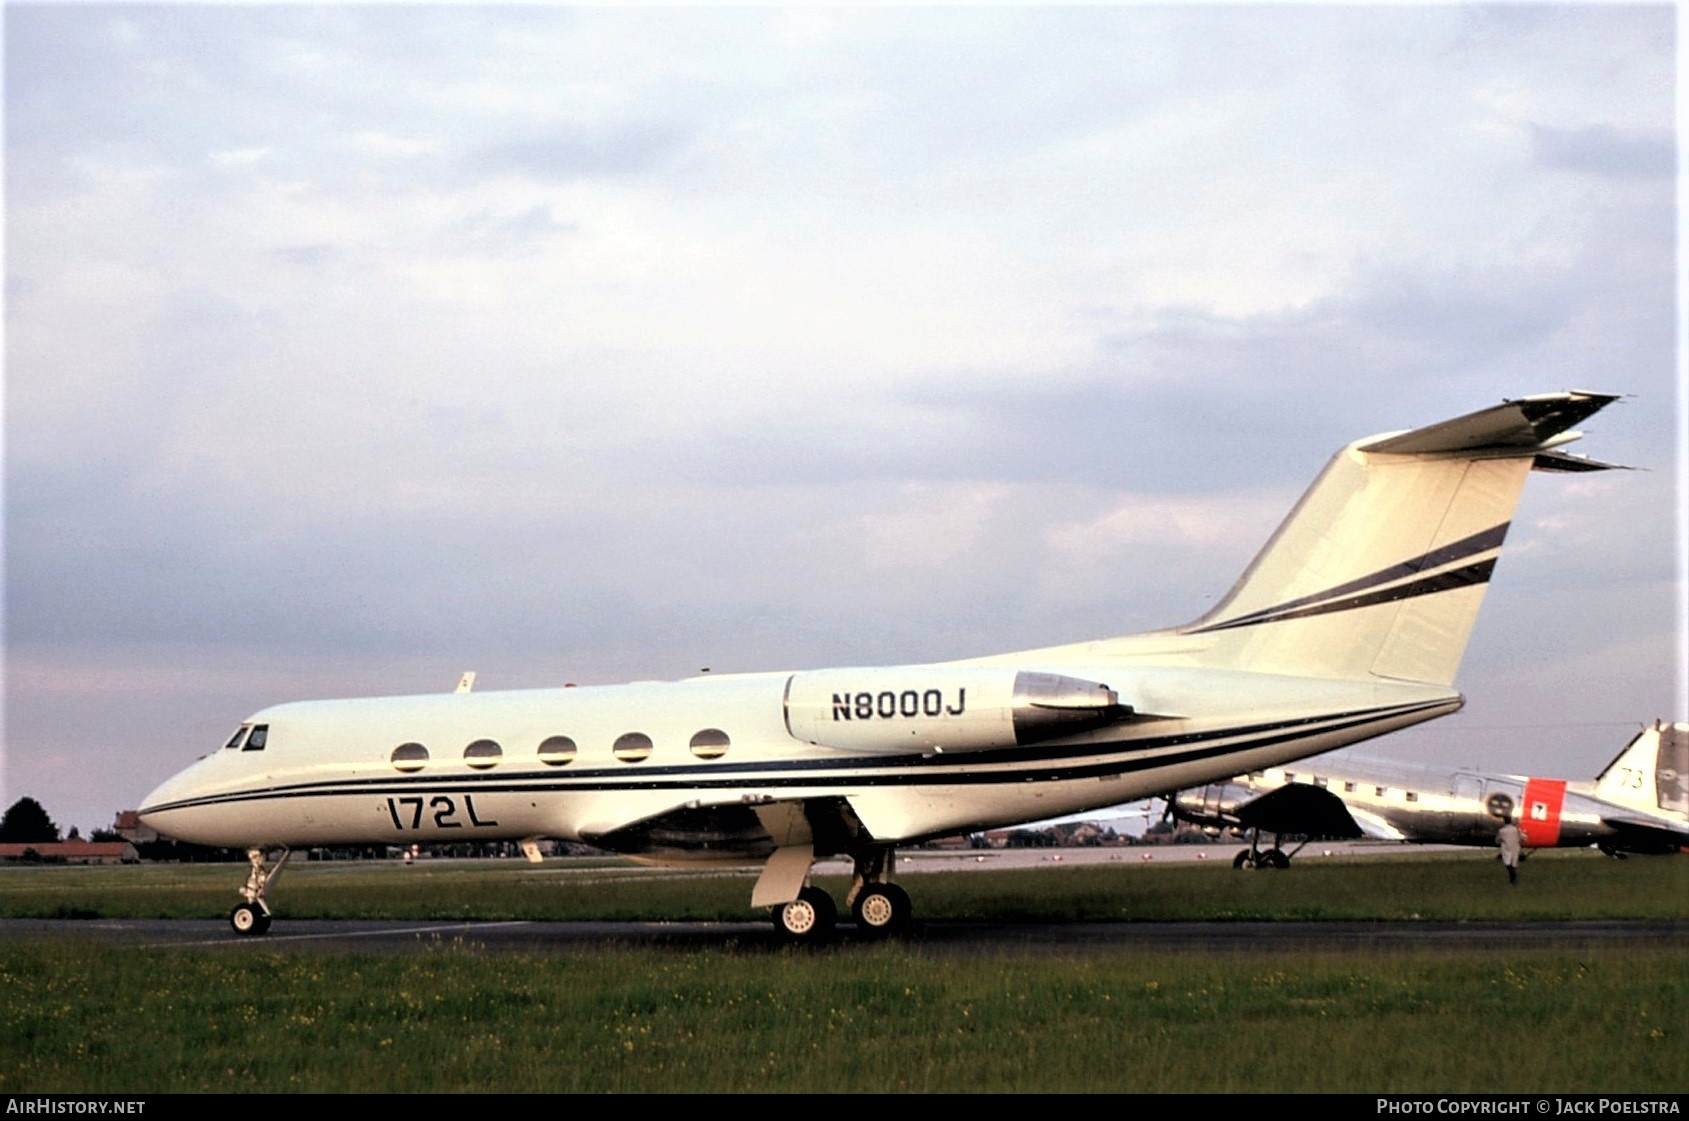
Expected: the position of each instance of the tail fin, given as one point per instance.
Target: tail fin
(1651, 773)
(1380, 569)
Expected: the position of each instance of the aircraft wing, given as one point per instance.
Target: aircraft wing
(1300, 808)
(734, 832)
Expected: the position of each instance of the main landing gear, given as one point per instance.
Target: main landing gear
(1255, 857)
(879, 907)
(253, 916)
(808, 918)
(882, 910)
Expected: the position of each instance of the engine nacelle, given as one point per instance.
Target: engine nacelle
(1213, 807)
(943, 709)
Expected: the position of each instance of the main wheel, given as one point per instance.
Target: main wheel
(808, 918)
(882, 910)
(1275, 858)
(249, 918)
(1243, 860)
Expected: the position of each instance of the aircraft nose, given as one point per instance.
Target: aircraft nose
(165, 810)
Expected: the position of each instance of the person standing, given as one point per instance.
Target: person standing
(1511, 843)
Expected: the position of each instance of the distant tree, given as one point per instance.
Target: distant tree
(75, 834)
(101, 836)
(27, 822)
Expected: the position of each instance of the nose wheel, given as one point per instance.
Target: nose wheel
(252, 917)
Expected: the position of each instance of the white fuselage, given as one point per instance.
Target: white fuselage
(915, 752)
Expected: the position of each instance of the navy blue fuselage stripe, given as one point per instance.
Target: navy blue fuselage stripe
(1491, 538)
(872, 771)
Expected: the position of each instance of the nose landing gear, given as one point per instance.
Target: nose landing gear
(252, 917)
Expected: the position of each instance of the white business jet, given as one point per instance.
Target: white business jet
(1349, 624)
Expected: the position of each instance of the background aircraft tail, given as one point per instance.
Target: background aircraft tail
(1651, 773)
(1380, 569)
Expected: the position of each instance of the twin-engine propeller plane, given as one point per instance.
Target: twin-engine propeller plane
(1638, 803)
(1349, 624)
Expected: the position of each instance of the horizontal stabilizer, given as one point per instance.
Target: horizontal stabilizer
(1561, 461)
(1644, 835)
(1529, 422)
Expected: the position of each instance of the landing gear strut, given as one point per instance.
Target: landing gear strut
(1255, 857)
(253, 916)
(880, 907)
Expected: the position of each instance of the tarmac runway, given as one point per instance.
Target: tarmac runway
(944, 938)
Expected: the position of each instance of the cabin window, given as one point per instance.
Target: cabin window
(1348, 788)
(240, 734)
(1378, 791)
(1290, 776)
(711, 743)
(1320, 782)
(557, 750)
(482, 754)
(635, 747)
(259, 737)
(1412, 796)
(409, 756)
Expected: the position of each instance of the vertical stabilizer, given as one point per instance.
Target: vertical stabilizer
(1651, 773)
(1380, 569)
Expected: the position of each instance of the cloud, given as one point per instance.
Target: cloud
(1606, 150)
(347, 345)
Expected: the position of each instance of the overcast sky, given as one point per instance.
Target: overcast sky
(349, 348)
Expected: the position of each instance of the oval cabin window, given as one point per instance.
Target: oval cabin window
(409, 756)
(635, 747)
(711, 743)
(482, 754)
(557, 750)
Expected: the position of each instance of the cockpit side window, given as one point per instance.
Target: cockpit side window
(235, 740)
(260, 735)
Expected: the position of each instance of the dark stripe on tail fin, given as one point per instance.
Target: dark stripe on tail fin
(1441, 582)
(1344, 596)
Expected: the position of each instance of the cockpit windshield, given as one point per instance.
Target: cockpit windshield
(249, 737)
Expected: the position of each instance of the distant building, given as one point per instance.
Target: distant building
(128, 826)
(71, 852)
(956, 841)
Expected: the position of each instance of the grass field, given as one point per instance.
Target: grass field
(1413, 885)
(76, 1016)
